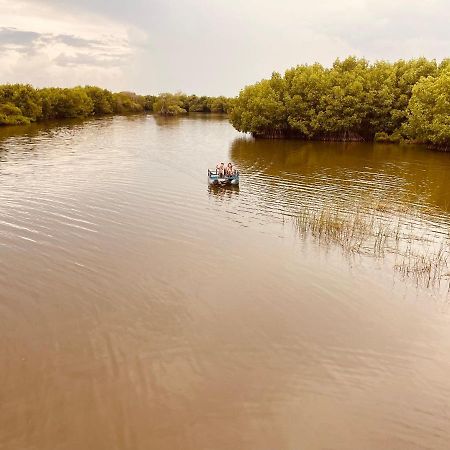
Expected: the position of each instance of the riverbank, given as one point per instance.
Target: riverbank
(349, 137)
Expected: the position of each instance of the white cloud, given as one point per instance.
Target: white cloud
(209, 47)
(44, 46)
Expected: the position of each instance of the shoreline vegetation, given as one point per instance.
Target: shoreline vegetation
(404, 101)
(381, 229)
(21, 104)
(353, 100)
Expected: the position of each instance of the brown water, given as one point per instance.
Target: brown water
(141, 310)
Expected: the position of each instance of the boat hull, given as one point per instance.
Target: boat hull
(214, 178)
(227, 181)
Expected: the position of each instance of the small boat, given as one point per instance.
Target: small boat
(215, 180)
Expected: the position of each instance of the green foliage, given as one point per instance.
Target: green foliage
(24, 97)
(127, 102)
(352, 100)
(11, 115)
(102, 100)
(444, 65)
(148, 101)
(429, 110)
(169, 104)
(179, 103)
(218, 104)
(58, 103)
(21, 103)
(379, 100)
(197, 104)
(393, 138)
(406, 75)
(305, 89)
(343, 109)
(261, 109)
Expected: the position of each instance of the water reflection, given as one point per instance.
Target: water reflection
(410, 173)
(164, 121)
(381, 200)
(223, 192)
(130, 291)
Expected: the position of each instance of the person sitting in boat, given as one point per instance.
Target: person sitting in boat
(221, 169)
(229, 170)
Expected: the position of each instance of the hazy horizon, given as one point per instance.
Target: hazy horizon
(205, 48)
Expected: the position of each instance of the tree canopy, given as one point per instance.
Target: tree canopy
(22, 104)
(352, 100)
(179, 103)
(429, 110)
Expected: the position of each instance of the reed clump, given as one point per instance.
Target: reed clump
(378, 229)
(426, 269)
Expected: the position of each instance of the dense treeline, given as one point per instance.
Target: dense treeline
(352, 100)
(179, 103)
(22, 104)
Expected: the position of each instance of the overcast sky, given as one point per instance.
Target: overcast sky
(207, 47)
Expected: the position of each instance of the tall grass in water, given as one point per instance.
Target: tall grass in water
(378, 229)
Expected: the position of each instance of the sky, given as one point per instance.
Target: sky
(206, 47)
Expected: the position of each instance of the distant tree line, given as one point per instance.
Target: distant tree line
(352, 100)
(179, 103)
(22, 104)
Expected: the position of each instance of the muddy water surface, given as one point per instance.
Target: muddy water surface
(141, 310)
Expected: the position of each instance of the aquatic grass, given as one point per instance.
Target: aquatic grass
(380, 228)
(426, 269)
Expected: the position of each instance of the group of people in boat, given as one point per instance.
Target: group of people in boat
(225, 171)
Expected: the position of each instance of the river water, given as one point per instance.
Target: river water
(140, 309)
